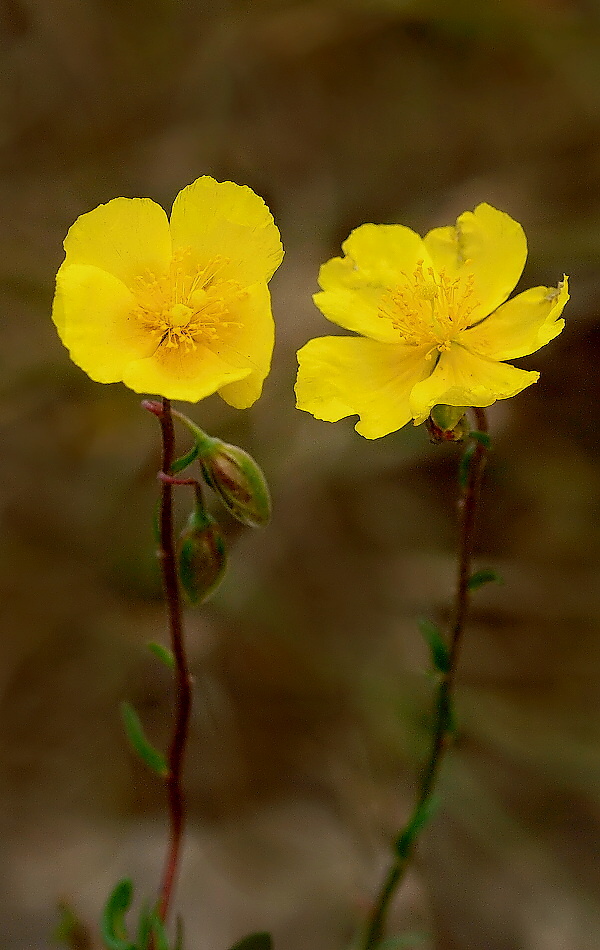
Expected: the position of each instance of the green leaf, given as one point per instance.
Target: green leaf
(162, 653)
(421, 816)
(178, 934)
(161, 941)
(114, 931)
(154, 759)
(464, 466)
(70, 931)
(179, 464)
(479, 578)
(481, 437)
(440, 655)
(402, 942)
(258, 941)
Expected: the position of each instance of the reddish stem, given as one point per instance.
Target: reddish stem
(183, 696)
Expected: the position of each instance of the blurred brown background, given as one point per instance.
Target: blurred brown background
(311, 706)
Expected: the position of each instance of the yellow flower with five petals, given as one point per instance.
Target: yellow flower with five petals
(435, 322)
(176, 308)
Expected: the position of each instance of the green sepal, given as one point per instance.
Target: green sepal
(181, 463)
(481, 437)
(113, 928)
(447, 418)
(150, 756)
(70, 930)
(440, 655)
(479, 578)
(464, 466)
(258, 941)
(162, 653)
(202, 557)
(422, 815)
(239, 481)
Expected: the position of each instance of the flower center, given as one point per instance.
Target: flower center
(429, 307)
(188, 304)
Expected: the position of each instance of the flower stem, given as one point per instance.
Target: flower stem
(183, 696)
(376, 920)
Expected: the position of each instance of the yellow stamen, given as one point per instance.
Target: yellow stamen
(429, 307)
(188, 304)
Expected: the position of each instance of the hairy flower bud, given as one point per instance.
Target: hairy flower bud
(202, 556)
(238, 480)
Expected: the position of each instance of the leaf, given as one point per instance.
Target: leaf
(440, 655)
(464, 466)
(481, 437)
(154, 759)
(178, 934)
(162, 653)
(421, 816)
(402, 942)
(161, 941)
(479, 578)
(70, 931)
(114, 931)
(258, 941)
(179, 464)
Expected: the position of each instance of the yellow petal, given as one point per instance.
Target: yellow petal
(93, 314)
(222, 219)
(462, 378)
(178, 373)
(343, 376)
(383, 253)
(357, 310)
(486, 243)
(128, 237)
(249, 346)
(520, 326)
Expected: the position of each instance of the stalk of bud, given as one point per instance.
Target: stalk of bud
(239, 482)
(202, 556)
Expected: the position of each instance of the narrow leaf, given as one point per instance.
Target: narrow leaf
(144, 928)
(151, 757)
(114, 931)
(179, 464)
(258, 941)
(464, 466)
(479, 578)
(161, 941)
(440, 655)
(481, 437)
(402, 942)
(71, 931)
(421, 816)
(162, 653)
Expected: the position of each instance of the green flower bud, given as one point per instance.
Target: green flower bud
(202, 557)
(238, 480)
(447, 423)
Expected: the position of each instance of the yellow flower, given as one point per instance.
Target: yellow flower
(434, 322)
(176, 308)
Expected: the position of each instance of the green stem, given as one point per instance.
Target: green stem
(376, 920)
(183, 696)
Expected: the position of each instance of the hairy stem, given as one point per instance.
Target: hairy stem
(183, 696)
(376, 920)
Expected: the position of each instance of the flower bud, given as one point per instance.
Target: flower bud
(447, 423)
(202, 556)
(238, 480)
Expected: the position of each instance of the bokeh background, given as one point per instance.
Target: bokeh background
(311, 699)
